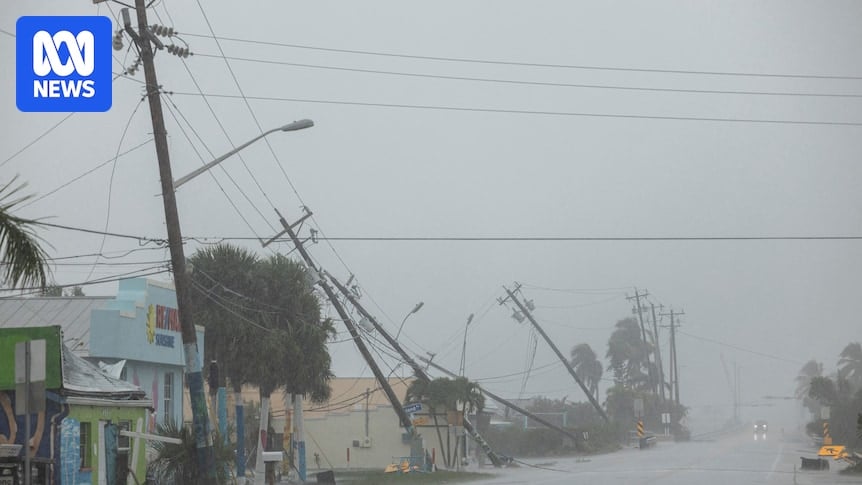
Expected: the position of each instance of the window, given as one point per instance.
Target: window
(168, 397)
(86, 437)
(123, 441)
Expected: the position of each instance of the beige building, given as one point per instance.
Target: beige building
(358, 421)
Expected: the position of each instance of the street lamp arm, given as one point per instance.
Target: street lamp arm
(203, 168)
(296, 125)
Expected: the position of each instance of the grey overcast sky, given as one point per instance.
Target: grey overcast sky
(484, 119)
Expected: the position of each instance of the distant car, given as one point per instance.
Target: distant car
(760, 429)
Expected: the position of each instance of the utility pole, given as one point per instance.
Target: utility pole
(674, 366)
(658, 353)
(194, 377)
(562, 358)
(417, 369)
(506, 403)
(354, 333)
(644, 343)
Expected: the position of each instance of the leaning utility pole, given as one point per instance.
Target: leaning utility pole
(354, 333)
(417, 369)
(506, 403)
(674, 366)
(194, 377)
(658, 353)
(562, 358)
(644, 343)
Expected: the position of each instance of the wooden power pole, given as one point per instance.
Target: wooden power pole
(194, 377)
(560, 355)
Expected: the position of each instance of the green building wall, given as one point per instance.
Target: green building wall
(115, 414)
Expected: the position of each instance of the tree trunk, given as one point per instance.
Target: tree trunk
(260, 466)
(440, 438)
(239, 407)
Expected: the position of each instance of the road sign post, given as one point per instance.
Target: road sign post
(30, 366)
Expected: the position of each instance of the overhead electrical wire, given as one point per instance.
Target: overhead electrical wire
(230, 141)
(107, 279)
(88, 172)
(534, 83)
(741, 349)
(529, 112)
(174, 110)
(532, 64)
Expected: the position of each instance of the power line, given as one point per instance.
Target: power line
(742, 349)
(142, 239)
(219, 239)
(36, 140)
(245, 101)
(532, 64)
(171, 108)
(107, 279)
(529, 112)
(554, 238)
(88, 172)
(534, 83)
(230, 141)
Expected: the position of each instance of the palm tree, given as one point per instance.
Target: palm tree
(588, 367)
(628, 354)
(177, 463)
(809, 371)
(221, 276)
(294, 334)
(22, 258)
(434, 395)
(468, 394)
(850, 364)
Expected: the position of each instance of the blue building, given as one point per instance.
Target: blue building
(134, 336)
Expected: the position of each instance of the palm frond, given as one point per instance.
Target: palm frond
(23, 259)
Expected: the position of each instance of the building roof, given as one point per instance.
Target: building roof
(71, 313)
(81, 378)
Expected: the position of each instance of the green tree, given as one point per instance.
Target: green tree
(302, 332)
(850, 364)
(588, 367)
(177, 463)
(431, 394)
(293, 348)
(222, 277)
(23, 261)
(809, 371)
(627, 354)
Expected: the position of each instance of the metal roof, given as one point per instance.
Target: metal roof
(71, 313)
(81, 378)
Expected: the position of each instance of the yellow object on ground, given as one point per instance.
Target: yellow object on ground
(390, 468)
(835, 451)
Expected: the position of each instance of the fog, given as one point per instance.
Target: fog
(580, 194)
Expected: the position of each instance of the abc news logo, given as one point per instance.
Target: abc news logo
(63, 63)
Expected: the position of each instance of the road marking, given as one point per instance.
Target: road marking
(775, 463)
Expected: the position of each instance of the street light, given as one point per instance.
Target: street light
(464, 348)
(414, 310)
(296, 125)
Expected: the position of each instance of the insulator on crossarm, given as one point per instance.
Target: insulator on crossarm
(162, 30)
(118, 40)
(178, 51)
(134, 67)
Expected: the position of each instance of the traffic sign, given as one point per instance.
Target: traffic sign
(412, 408)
